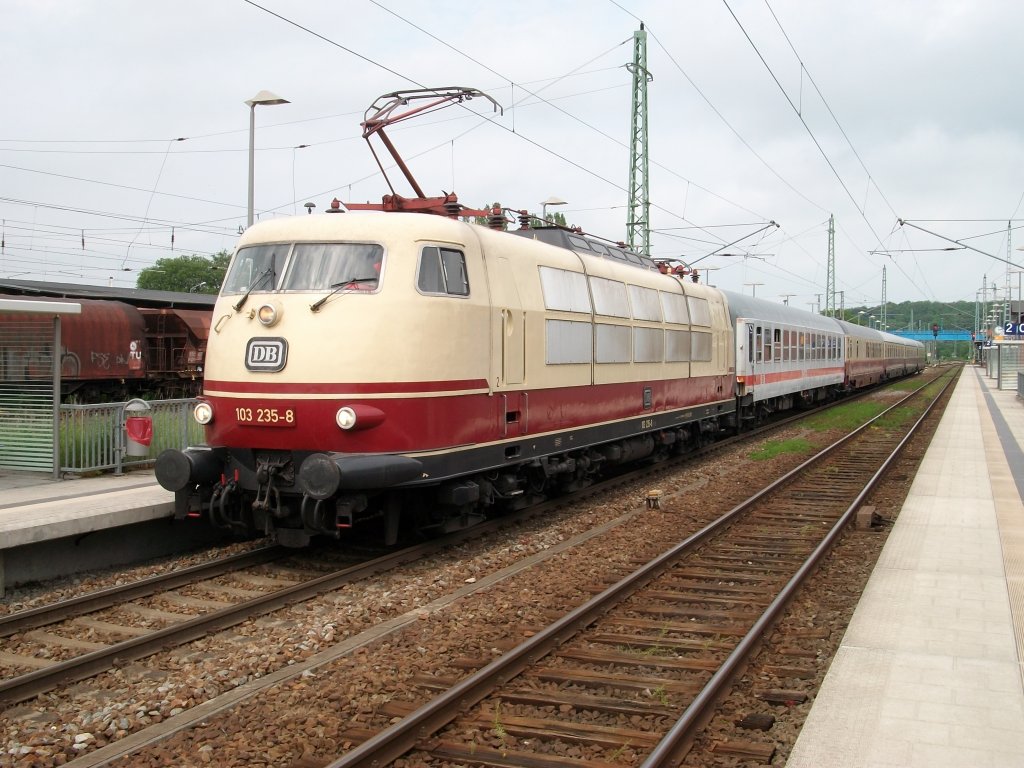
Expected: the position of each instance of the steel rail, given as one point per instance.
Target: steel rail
(105, 598)
(396, 740)
(33, 683)
(86, 665)
(676, 743)
(30, 684)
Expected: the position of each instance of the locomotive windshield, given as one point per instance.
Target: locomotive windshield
(320, 266)
(304, 267)
(255, 267)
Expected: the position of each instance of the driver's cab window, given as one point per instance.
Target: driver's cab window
(327, 266)
(442, 271)
(257, 267)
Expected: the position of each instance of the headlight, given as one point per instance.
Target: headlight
(203, 413)
(346, 417)
(268, 314)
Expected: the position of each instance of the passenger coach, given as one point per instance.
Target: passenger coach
(784, 356)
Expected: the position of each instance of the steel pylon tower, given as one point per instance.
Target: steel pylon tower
(830, 274)
(885, 300)
(638, 222)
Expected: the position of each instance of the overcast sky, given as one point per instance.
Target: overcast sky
(784, 111)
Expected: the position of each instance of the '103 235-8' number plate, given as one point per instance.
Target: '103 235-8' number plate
(265, 416)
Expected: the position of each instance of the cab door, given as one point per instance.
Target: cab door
(511, 321)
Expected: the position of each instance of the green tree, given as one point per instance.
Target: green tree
(186, 274)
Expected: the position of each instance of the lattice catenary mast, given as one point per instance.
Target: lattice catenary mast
(830, 274)
(638, 222)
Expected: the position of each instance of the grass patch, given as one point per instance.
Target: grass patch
(780, 447)
(845, 417)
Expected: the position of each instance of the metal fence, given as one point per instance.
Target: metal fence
(27, 399)
(93, 437)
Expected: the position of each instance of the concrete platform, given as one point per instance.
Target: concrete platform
(51, 528)
(930, 673)
(34, 509)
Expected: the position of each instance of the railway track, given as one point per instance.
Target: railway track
(49, 649)
(183, 605)
(636, 671)
(202, 713)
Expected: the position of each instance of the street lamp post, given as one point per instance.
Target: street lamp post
(265, 98)
(860, 314)
(550, 201)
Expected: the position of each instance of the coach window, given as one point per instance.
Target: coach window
(757, 345)
(767, 345)
(778, 344)
(442, 271)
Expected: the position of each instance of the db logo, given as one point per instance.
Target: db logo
(266, 354)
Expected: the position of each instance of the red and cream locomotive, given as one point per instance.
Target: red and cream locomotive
(423, 370)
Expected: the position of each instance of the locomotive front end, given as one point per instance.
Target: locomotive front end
(313, 394)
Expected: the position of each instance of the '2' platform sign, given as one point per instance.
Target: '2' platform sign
(266, 354)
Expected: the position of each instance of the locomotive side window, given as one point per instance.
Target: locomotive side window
(677, 346)
(564, 290)
(674, 307)
(700, 347)
(255, 267)
(648, 345)
(609, 297)
(568, 342)
(324, 266)
(646, 304)
(700, 311)
(442, 271)
(612, 343)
